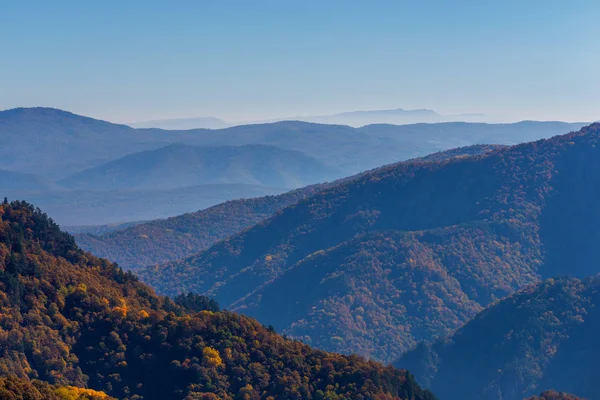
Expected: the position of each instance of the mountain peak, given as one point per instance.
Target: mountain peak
(36, 111)
(33, 115)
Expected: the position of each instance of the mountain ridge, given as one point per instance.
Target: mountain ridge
(476, 228)
(181, 165)
(178, 237)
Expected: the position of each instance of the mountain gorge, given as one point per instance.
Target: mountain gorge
(75, 321)
(409, 252)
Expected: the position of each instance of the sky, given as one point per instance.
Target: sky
(127, 61)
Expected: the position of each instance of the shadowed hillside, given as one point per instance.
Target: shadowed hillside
(541, 337)
(459, 234)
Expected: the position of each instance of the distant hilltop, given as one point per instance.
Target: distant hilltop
(396, 116)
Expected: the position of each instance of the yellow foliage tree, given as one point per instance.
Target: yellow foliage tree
(77, 393)
(121, 310)
(212, 358)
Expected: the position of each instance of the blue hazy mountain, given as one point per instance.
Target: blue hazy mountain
(397, 116)
(180, 165)
(56, 143)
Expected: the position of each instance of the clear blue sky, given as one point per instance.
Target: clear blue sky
(240, 60)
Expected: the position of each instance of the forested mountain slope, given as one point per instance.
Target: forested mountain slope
(409, 252)
(178, 237)
(69, 318)
(544, 336)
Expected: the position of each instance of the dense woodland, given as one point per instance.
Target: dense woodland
(544, 336)
(70, 319)
(422, 246)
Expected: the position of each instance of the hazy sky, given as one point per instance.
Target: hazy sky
(241, 60)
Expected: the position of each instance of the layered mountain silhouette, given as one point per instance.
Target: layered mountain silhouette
(56, 145)
(178, 237)
(397, 116)
(179, 165)
(409, 252)
(80, 326)
(543, 336)
(63, 143)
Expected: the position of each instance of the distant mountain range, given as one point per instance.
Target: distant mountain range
(396, 116)
(56, 144)
(53, 146)
(409, 252)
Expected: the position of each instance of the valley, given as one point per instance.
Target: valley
(299, 200)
